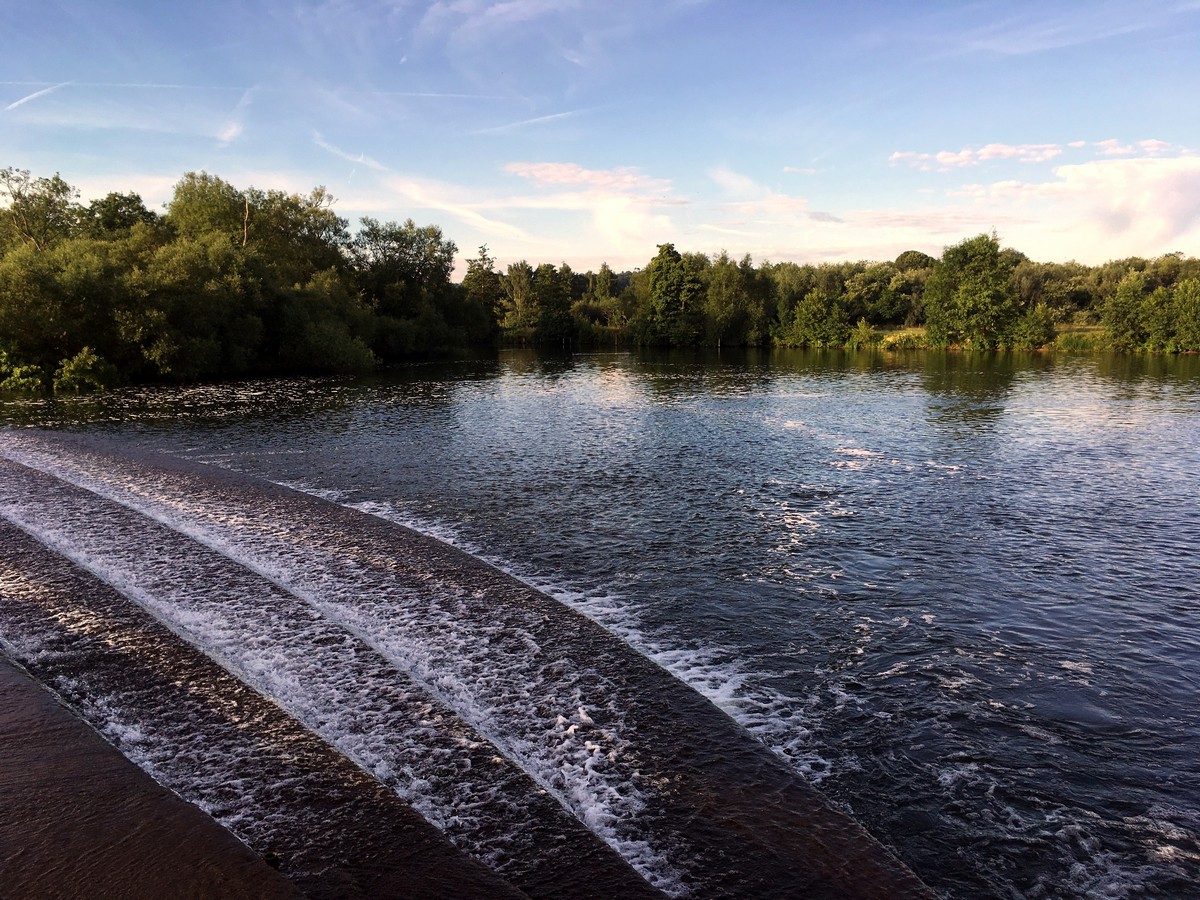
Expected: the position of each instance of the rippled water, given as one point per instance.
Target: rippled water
(958, 592)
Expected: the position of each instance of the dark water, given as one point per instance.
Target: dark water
(957, 592)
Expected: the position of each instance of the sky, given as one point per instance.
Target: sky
(582, 131)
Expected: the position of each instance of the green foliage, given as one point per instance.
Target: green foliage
(115, 215)
(863, 336)
(322, 328)
(482, 296)
(518, 306)
(1035, 329)
(36, 211)
(914, 259)
(555, 326)
(904, 340)
(238, 281)
(735, 303)
(299, 235)
(1186, 295)
(968, 298)
(84, 372)
(1078, 342)
(676, 295)
(205, 316)
(24, 380)
(1158, 320)
(819, 320)
(205, 204)
(1122, 313)
(398, 264)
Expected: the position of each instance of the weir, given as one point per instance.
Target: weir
(415, 632)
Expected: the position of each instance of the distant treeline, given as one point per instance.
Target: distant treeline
(234, 282)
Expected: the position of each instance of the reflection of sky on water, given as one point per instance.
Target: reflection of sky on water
(958, 587)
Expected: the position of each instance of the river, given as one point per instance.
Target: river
(958, 593)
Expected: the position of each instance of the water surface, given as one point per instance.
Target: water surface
(958, 592)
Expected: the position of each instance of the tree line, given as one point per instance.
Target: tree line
(229, 282)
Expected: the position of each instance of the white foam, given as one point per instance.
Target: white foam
(504, 688)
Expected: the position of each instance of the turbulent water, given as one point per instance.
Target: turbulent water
(958, 593)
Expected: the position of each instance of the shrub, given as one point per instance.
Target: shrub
(84, 372)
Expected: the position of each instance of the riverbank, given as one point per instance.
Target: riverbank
(81, 820)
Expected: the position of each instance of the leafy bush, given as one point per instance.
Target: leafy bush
(862, 336)
(1078, 342)
(84, 372)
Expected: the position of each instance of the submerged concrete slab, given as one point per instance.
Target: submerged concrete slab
(80, 820)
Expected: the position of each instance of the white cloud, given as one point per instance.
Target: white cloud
(1155, 147)
(1102, 209)
(1113, 147)
(623, 178)
(735, 184)
(945, 160)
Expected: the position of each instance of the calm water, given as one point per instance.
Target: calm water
(958, 592)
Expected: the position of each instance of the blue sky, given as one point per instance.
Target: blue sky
(581, 131)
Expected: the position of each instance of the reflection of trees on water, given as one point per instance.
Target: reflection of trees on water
(973, 388)
(270, 405)
(672, 374)
(1149, 376)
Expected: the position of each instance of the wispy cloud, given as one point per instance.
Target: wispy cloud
(749, 198)
(35, 95)
(622, 178)
(360, 160)
(235, 124)
(525, 123)
(428, 194)
(1054, 29)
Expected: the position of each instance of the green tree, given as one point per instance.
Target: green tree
(84, 372)
(552, 293)
(322, 328)
(1186, 296)
(968, 299)
(295, 235)
(204, 311)
(819, 320)
(1034, 329)
(115, 215)
(1122, 313)
(204, 204)
(399, 266)
(54, 302)
(483, 296)
(35, 211)
(519, 309)
(1158, 315)
(676, 295)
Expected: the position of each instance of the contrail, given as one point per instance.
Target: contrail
(43, 92)
(498, 129)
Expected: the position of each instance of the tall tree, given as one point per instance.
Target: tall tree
(36, 211)
(204, 204)
(519, 305)
(1122, 313)
(969, 299)
(552, 290)
(676, 299)
(114, 215)
(400, 266)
